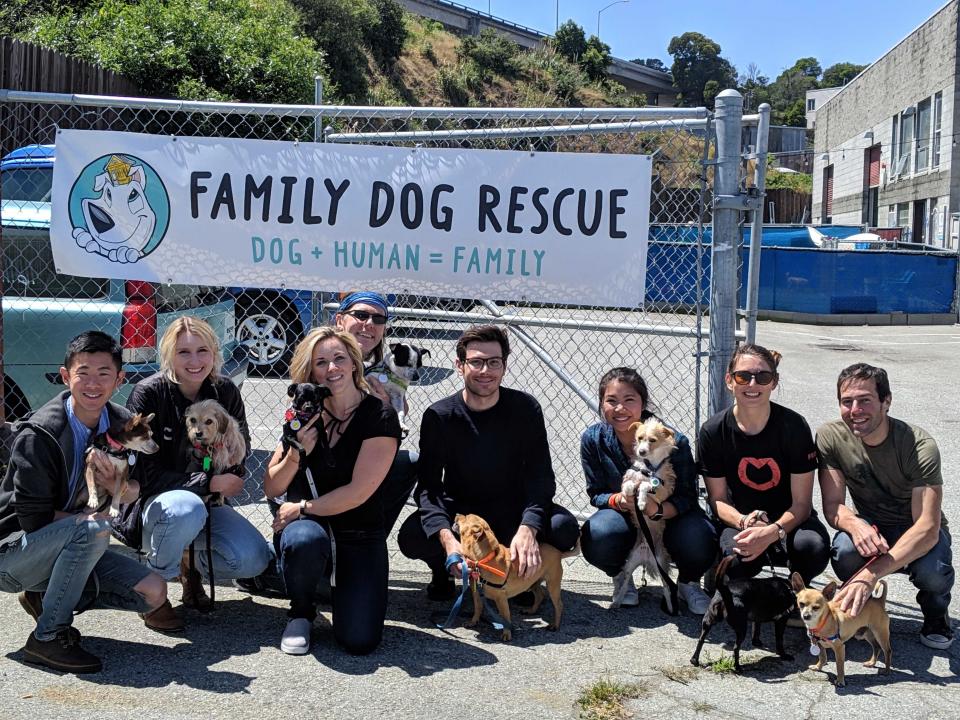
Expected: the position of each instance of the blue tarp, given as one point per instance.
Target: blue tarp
(773, 236)
(814, 280)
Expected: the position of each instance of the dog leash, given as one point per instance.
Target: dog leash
(867, 564)
(466, 578)
(664, 575)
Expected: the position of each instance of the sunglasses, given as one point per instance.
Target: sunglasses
(363, 316)
(743, 377)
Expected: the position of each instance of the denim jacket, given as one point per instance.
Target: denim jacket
(604, 464)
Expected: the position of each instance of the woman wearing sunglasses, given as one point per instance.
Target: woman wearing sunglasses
(364, 315)
(757, 459)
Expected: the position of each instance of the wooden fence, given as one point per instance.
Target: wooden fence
(25, 66)
(789, 206)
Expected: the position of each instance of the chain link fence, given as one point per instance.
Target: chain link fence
(560, 352)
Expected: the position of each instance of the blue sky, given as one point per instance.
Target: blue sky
(772, 34)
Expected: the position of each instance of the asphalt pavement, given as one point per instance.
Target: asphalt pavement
(228, 664)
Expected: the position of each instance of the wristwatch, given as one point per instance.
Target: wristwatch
(781, 533)
(658, 515)
(303, 508)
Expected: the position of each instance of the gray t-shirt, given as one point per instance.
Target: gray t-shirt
(881, 479)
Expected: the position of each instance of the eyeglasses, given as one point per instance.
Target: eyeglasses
(493, 363)
(743, 377)
(363, 316)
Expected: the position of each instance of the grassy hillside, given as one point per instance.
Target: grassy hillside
(437, 67)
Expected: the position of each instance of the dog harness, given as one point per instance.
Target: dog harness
(385, 375)
(468, 578)
(648, 469)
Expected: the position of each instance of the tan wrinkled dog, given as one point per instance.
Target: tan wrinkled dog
(651, 475)
(829, 626)
(491, 560)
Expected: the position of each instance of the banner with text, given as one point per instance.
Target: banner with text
(544, 227)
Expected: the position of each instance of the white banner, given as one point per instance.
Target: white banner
(545, 227)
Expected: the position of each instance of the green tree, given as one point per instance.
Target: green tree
(248, 50)
(789, 91)
(570, 41)
(490, 51)
(386, 36)
(840, 74)
(653, 63)
(595, 59)
(754, 87)
(338, 27)
(697, 61)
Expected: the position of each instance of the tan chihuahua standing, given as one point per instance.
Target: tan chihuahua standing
(828, 626)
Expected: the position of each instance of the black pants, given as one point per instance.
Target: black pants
(562, 532)
(807, 551)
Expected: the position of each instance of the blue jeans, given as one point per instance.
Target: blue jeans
(691, 539)
(359, 594)
(174, 519)
(807, 551)
(931, 574)
(68, 561)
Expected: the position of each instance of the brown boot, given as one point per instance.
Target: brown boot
(194, 596)
(164, 619)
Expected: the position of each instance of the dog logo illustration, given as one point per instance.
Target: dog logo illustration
(119, 208)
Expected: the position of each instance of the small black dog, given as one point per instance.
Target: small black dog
(739, 601)
(307, 402)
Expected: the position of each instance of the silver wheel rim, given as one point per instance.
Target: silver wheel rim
(264, 337)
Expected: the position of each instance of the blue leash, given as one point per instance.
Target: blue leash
(457, 559)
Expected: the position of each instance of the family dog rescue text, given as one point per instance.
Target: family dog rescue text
(312, 201)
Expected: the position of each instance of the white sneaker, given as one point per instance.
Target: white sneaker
(696, 599)
(296, 638)
(631, 598)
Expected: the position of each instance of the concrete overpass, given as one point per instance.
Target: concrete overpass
(467, 21)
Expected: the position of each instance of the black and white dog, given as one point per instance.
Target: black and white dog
(395, 372)
(307, 401)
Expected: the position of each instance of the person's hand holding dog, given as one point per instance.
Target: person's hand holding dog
(308, 435)
(525, 551)
(855, 594)
(106, 473)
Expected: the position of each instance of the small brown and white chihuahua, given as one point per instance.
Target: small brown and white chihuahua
(651, 475)
(120, 444)
(830, 627)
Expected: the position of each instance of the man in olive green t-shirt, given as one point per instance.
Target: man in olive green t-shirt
(892, 470)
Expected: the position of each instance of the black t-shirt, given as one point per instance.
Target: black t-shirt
(758, 467)
(372, 419)
(495, 463)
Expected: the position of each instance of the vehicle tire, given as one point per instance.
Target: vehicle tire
(15, 405)
(269, 329)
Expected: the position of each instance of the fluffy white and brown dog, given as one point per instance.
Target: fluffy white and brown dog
(651, 475)
(215, 437)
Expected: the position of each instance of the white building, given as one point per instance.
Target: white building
(884, 147)
(816, 98)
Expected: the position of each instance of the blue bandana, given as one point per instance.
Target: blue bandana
(368, 298)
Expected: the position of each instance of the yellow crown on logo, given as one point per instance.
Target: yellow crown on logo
(119, 170)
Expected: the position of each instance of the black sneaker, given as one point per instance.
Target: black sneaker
(936, 633)
(441, 587)
(266, 584)
(32, 602)
(62, 653)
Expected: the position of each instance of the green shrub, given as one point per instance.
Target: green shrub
(452, 85)
(386, 36)
(490, 51)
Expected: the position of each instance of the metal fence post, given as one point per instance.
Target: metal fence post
(756, 229)
(316, 297)
(723, 256)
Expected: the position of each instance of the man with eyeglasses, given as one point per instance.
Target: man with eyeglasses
(484, 450)
(892, 470)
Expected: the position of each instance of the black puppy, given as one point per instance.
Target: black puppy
(307, 402)
(739, 601)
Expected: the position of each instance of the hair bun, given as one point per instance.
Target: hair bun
(776, 358)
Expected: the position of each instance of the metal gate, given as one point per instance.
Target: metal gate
(560, 352)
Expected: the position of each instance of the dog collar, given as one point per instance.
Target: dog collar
(385, 375)
(115, 449)
(483, 564)
(649, 469)
(816, 637)
(296, 419)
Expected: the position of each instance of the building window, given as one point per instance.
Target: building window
(923, 135)
(811, 104)
(906, 141)
(937, 112)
